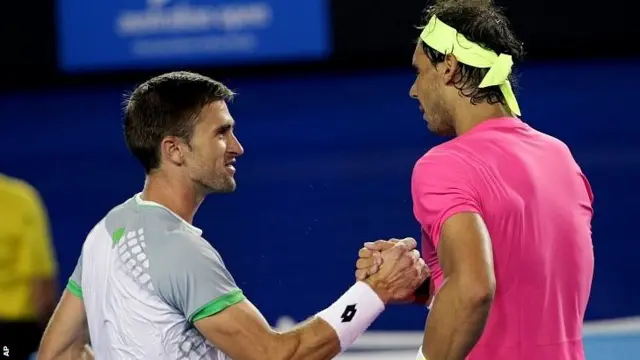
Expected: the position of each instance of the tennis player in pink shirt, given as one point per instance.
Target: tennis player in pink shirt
(505, 210)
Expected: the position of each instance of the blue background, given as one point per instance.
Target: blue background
(88, 39)
(327, 167)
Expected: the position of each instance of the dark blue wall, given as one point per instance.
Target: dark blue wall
(327, 167)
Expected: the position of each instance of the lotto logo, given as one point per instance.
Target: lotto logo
(349, 313)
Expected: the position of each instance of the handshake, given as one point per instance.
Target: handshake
(392, 268)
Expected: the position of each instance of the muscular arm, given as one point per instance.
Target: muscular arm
(66, 335)
(204, 291)
(461, 308)
(241, 332)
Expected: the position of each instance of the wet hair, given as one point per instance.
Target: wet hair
(167, 105)
(483, 23)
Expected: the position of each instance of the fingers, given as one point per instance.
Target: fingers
(424, 272)
(409, 242)
(368, 263)
(415, 255)
(369, 260)
(364, 264)
(380, 245)
(403, 247)
(365, 253)
(361, 274)
(367, 267)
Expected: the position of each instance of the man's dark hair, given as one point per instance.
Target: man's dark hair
(481, 22)
(167, 105)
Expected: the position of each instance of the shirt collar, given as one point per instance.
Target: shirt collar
(497, 123)
(140, 201)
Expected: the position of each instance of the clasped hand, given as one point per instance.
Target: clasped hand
(395, 264)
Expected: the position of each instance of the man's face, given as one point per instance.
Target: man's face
(214, 148)
(428, 89)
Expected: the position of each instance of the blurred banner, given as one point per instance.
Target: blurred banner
(327, 167)
(101, 41)
(133, 34)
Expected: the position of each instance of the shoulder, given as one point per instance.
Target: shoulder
(175, 253)
(162, 232)
(180, 245)
(448, 160)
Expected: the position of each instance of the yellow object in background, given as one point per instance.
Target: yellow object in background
(26, 252)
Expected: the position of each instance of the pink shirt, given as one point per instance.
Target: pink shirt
(537, 205)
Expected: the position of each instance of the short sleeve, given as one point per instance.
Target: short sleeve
(442, 186)
(40, 258)
(74, 285)
(189, 274)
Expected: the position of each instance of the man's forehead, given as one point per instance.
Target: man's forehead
(218, 105)
(218, 113)
(418, 54)
(416, 50)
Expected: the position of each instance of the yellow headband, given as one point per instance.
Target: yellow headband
(447, 40)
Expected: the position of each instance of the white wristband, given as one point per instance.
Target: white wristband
(352, 313)
(420, 356)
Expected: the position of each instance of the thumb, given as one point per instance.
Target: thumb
(379, 245)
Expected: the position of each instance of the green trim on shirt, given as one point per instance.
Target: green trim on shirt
(74, 288)
(217, 305)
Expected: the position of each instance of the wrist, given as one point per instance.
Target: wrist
(353, 312)
(379, 288)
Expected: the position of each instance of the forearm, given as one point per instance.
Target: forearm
(456, 320)
(243, 334)
(66, 335)
(75, 351)
(313, 340)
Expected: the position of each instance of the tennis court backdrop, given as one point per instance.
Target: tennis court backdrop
(327, 167)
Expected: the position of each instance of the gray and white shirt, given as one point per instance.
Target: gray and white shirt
(145, 276)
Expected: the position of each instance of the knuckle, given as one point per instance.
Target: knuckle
(410, 242)
(401, 247)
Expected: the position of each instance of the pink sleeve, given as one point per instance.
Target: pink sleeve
(441, 186)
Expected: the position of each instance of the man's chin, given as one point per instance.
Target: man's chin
(229, 186)
(225, 187)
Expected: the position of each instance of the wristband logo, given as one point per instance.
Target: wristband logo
(349, 313)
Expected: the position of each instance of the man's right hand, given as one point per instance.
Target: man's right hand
(369, 259)
(401, 271)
